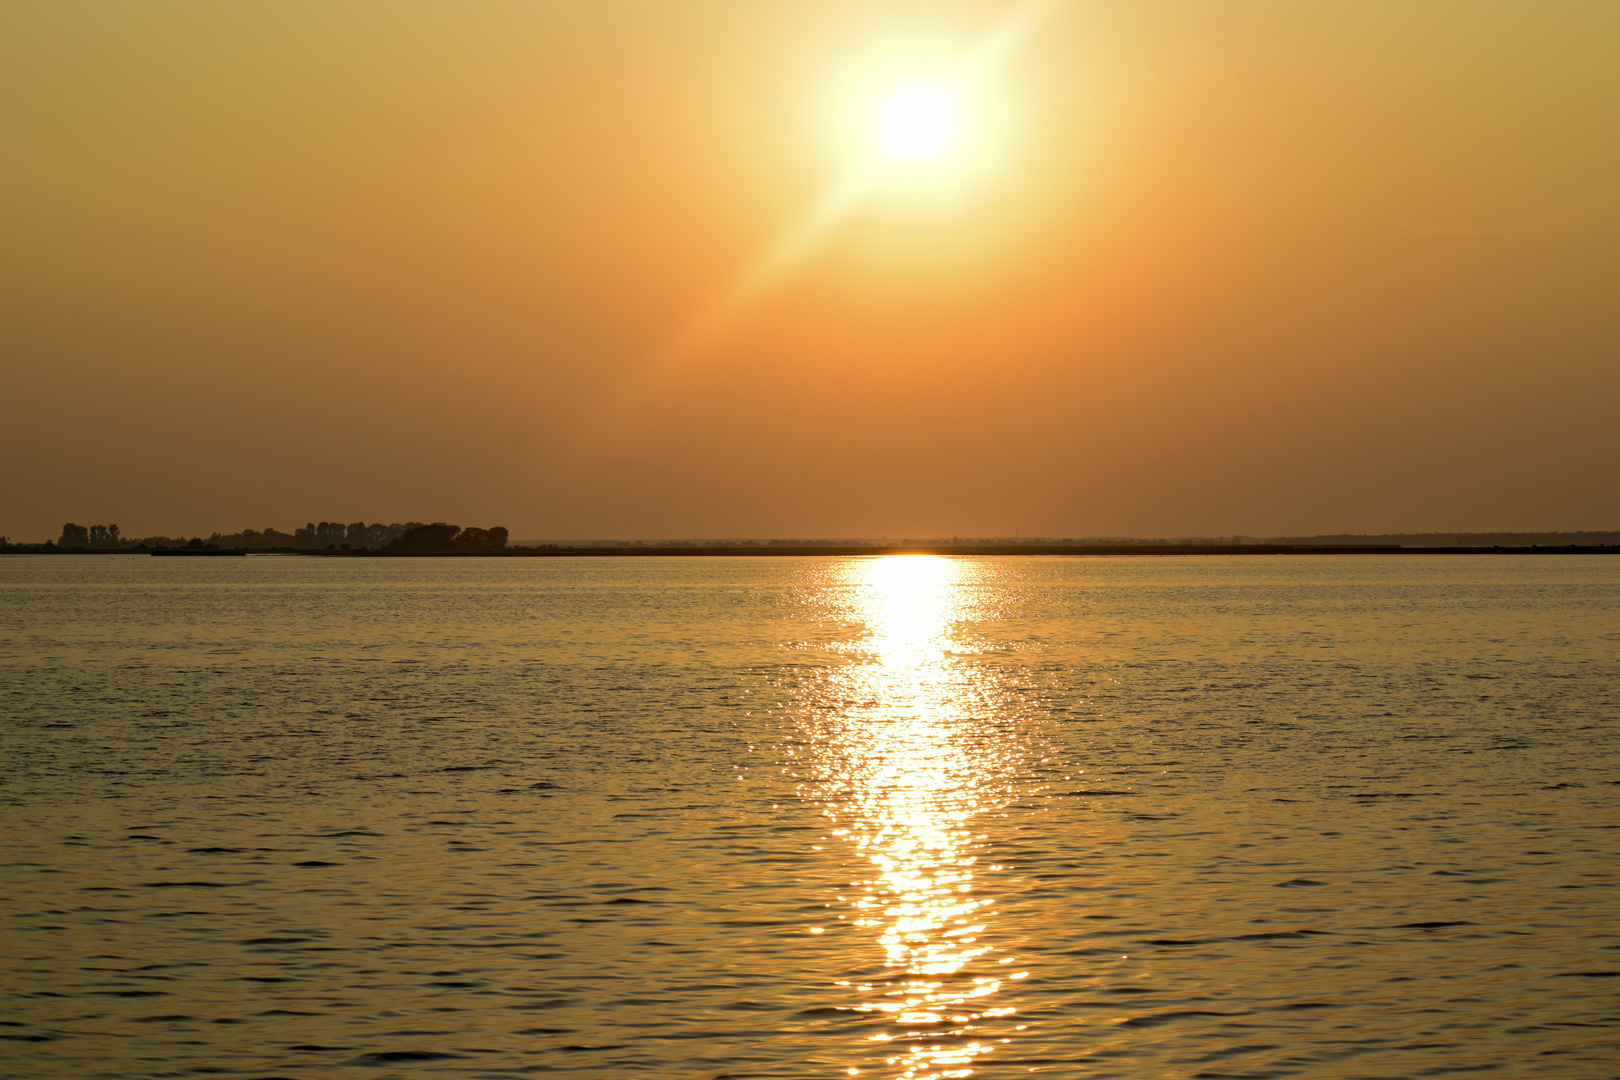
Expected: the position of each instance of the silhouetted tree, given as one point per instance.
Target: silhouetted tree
(482, 539)
(74, 536)
(435, 537)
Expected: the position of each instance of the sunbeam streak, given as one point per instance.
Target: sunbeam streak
(911, 127)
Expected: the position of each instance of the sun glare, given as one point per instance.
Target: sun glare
(918, 123)
(915, 126)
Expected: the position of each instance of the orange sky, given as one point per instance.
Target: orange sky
(1191, 269)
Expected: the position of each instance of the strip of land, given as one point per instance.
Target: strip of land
(847, 551)
(358, 540)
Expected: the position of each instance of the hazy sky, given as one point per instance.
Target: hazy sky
(646, 269)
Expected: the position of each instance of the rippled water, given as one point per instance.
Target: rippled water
(905, 817)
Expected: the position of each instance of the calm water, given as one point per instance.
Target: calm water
(901, 818)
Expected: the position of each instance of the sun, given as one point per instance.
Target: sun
(918, 123)
(913, 128)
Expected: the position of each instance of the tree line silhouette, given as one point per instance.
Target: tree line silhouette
(411, 536)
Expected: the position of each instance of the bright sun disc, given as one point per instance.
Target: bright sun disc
(918, 123)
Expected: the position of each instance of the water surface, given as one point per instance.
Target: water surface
(904, 817)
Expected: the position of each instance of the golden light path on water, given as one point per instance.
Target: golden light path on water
(914, 766)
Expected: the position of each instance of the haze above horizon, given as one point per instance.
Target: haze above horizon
(834, 269)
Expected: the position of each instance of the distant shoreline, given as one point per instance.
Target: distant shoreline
(847, 551)
(698, 551)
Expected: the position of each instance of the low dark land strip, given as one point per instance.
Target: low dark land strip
(841, 550)
(956, 549)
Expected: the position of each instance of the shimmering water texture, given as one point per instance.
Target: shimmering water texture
(903, 818)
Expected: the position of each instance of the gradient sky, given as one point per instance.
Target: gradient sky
(1188, 269)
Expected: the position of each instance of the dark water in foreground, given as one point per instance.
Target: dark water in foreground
(902, 818)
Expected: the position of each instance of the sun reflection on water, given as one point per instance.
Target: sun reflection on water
(916, 762)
